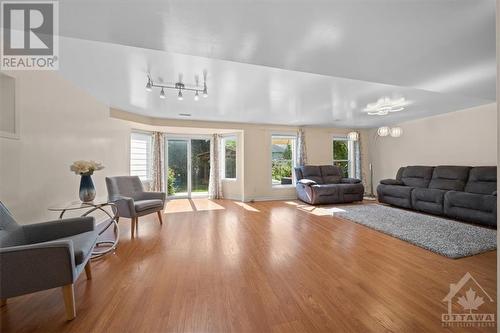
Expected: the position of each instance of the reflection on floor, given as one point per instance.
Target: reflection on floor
(323, 210)
(246, 206)
(190, 205)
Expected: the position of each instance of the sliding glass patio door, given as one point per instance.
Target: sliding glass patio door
(188, 166)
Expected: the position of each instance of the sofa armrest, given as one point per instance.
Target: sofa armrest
(51, 230)
(307, 182)
(350, 181)
(152, 196)
(391, 182)
(34, 267)
(125, 206)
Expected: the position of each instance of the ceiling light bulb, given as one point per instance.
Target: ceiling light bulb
(353, 136)
(179, 96)
(162, 94)
(149, 85)
(196, 96)
(205, 91)
(383, 131)
(396, 132)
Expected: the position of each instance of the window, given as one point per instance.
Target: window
(229, 157)
(282, 159)
(343, 156)
(140, 155)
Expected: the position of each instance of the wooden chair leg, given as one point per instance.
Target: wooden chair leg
(88, 271)
(136, 225)
(132, 226)
(3, 302)
(69, 301)
(160, 218)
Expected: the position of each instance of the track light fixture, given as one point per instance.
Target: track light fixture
(149, 85)
(205, 92)
(180, 87)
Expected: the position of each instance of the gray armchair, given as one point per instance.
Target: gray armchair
(132, 201)
(46, 255)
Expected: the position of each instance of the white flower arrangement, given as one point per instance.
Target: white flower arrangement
(86, 168)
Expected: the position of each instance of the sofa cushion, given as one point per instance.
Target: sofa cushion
(331, 174)
(395, 195)
(312, 172)
(82, 245)
(399, 174)
(452, 178)
(142, 205)
(482, 180)
(428, 200)
(475, 201)
(395, 191)
(477, 208)
(351, 188)
(326, 189)
(417, 176)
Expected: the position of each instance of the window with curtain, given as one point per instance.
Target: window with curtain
(344, 156)
(228, 159)
(141, 155)
(283, 157)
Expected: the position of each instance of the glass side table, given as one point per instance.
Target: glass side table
(103, 246)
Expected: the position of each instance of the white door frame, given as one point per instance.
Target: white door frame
(188, 139)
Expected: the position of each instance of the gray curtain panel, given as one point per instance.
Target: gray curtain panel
(301, 148)
(357, 158)
(215, 184)
(158, 163)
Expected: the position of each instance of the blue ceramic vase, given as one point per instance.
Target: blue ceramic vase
(87, 189)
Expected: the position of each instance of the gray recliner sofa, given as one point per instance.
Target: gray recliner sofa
(461, 192)
(324, 185)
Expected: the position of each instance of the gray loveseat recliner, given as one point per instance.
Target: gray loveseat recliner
(461, 192)
(42, 256)
(324, 185)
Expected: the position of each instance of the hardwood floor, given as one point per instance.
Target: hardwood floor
(220, 266)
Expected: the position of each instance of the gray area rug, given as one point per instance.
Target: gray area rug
(449, 238)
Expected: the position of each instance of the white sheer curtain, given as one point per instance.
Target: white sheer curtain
(214, 184)
(158, 163)
(301, 155)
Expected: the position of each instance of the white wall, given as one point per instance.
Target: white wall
(467, 137)
(60, 123)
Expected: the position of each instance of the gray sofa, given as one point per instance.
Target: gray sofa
(460, 192)
(324, 185)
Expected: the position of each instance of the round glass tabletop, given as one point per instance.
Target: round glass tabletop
(77, 204)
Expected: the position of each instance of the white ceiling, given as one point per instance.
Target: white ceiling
(300, 62)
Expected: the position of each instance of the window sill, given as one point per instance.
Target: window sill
(229, 179)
